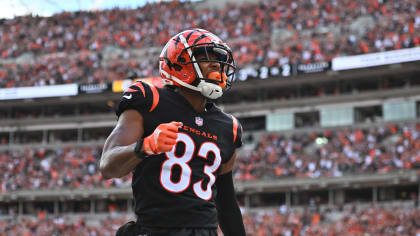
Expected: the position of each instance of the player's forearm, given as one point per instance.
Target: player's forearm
(118, 161)
(230, 221)
(228, 212)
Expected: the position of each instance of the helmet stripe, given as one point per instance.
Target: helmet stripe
(196, 66)
(199, 38)
(189, 35)
(177, 41)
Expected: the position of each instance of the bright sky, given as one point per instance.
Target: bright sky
(12, 8)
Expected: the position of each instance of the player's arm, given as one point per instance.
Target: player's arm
(125, 146)
(228, 212)
(119, 155)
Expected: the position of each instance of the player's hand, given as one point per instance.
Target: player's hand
(162, 139)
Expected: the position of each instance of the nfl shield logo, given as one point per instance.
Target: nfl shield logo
(199, 121)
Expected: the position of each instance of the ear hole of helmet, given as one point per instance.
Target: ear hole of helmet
(181, 59)
(177, 67)
(171, 65)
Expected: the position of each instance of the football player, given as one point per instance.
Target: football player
(180, 146)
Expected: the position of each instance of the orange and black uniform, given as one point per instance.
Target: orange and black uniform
(177, 189)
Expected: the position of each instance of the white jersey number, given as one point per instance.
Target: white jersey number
(183, 160)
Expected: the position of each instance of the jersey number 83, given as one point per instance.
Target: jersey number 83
(183, 160)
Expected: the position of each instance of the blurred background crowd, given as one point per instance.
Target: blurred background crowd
(330, 153)
(333, 153)
(96, 47)
(368, 221)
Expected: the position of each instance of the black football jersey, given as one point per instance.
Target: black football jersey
(177, 188)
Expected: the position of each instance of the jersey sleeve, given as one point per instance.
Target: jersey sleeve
(237, 133)
(140, 96)
(235, 138)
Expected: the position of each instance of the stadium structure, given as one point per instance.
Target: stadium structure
(325, 138)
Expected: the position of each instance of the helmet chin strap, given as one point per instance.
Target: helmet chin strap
(208, 90)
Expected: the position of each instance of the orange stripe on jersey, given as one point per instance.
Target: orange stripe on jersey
(130, 90)
(138, 85)
(155, 97)
(235, 128)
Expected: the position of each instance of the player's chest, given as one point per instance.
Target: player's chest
(198, 128)
(201, 134)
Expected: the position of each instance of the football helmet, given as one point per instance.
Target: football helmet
(178, 65)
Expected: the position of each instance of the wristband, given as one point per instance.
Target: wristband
(138, 150)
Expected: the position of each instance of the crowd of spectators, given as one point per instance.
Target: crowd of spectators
(41, 168)
(269, 33)
(370, 221)
(97, 135)
(332, 153)
(84, 67)
(43, 224)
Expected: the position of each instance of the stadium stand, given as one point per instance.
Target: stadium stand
(376, 220)
(268, 33)
(381, 149)
(333, 152)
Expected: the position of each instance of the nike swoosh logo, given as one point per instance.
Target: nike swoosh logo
(128, 96)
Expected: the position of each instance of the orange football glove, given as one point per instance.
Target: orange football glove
(162, 139)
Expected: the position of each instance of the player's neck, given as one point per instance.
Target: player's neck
(197, 101)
